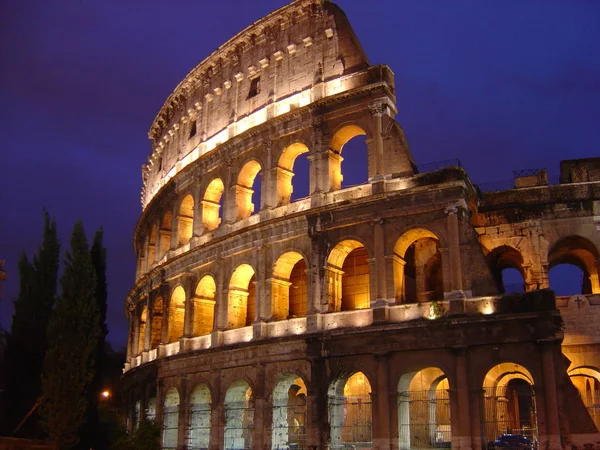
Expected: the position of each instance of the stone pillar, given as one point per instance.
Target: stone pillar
(174, 225)
(460, 417)
(198, 228)
(396, 281)
(165, 293)
(380, 265)
(278, 299)
(135, 333)
(333, 282)
(552, 439)
(183, 419)
(454, 247)
(229, 197)
(377, 110)
(149, 317)
(260, 409)
(317, 422)
(381, 409)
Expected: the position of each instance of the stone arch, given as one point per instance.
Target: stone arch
(587, 381)
(176, 314)
(204, 306)
(211, 204)
(199, 417)
(142, 328)
(349, 410)
(508, 402)
(348, 276)
(170, 419)
(417, 263)
(289, 413)
(505, 257)
(151, 247)
(424, 419)
(285, 171)
(340, 138)
(289, 292)
(157, 321)
(239, 416)
(580, 252)
(241, 304)
(164, 238)
(185, 220)
(245, 188)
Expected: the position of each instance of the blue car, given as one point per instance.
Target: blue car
(513, 442)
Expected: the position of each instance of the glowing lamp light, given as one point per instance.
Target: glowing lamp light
(105, 394)
(487, 309)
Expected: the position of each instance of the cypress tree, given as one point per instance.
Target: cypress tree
(73, 332)
(27, 341)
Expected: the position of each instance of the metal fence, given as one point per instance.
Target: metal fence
(293, 429)
(199, 429)
(496, 186)
(239, 424)
(591, 400)
(437, 165)
(425, 420)
(170, 427)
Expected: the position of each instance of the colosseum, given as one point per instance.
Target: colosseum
(374, 316)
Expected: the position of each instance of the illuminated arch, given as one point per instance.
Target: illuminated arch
(417, 267)
(241, 305)
(245, 189)
(164, 238)
(239, 416)
(349, 408)
(507, 393)
(185, 220)
(348, 276)
(142, 329)
(424, 409)
(151, 247)
(204, 306)
(505, 257)
(289, 296)
(580, 252)
(285, 171)
(170, 420)
(289, 413)
(199, 417)
(176, 314)
(339, 139)
(157, 320)
(211, 204)
(587, 381)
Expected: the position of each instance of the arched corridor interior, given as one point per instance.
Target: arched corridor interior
(350, 412)
(199, 418)
(289, 414)
(241, 308)
(157, 320)
(568, 280)
(587, 382)
(573, 267)
(212, 204)
(424, 410)
(289, 292)
(185, 220)
(176, 314)
(239, 416)
(348, 277)
(512, 281)
(509, 403)
(170, 420)
(204, 306)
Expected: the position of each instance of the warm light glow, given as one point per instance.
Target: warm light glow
(239, 293)
(211, 207)
(105, 393)
(488, 308)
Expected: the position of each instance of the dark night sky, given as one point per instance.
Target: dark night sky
(499, 84)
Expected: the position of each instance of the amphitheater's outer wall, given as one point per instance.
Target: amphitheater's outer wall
(297, 82)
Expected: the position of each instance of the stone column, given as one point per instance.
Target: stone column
(552, 438)
(135, 333)
(381, 409)
(461, 426)
(454, 247)
(333, 282)
(183, 419)
(380, 265)
(174, 225)
(377, 110)
(149, 317)
(198, 229)
(395, 286)
(165, 293)
(317, 422)
(260, 409)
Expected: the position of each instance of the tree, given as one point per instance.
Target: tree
(73, 332)
(93, 436)
(27, 341)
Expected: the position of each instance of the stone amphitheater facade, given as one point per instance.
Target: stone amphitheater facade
(372, 316)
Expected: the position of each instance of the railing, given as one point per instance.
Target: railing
(527, 172)
(437, 165)
(496, 186)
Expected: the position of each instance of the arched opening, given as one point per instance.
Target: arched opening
(247, 185)
(142, 329)
(289, 414)
(349, 407)
(351, 139)
(176, 314)
(204, 306)
(418, 275)
(170, 420)
(424, 410)
(348, 277)
(151, 247)
(288, 186)
(241, 306)
(289, 294)
(185, 220)
(164, 242)
(587, 382)
(506, 264)
(509, 403)
(211, 204)
(199, 418)
(142, 262)
(239, 416)
(157, 320)
(580, 253)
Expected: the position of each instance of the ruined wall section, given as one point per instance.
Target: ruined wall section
(286, 60)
